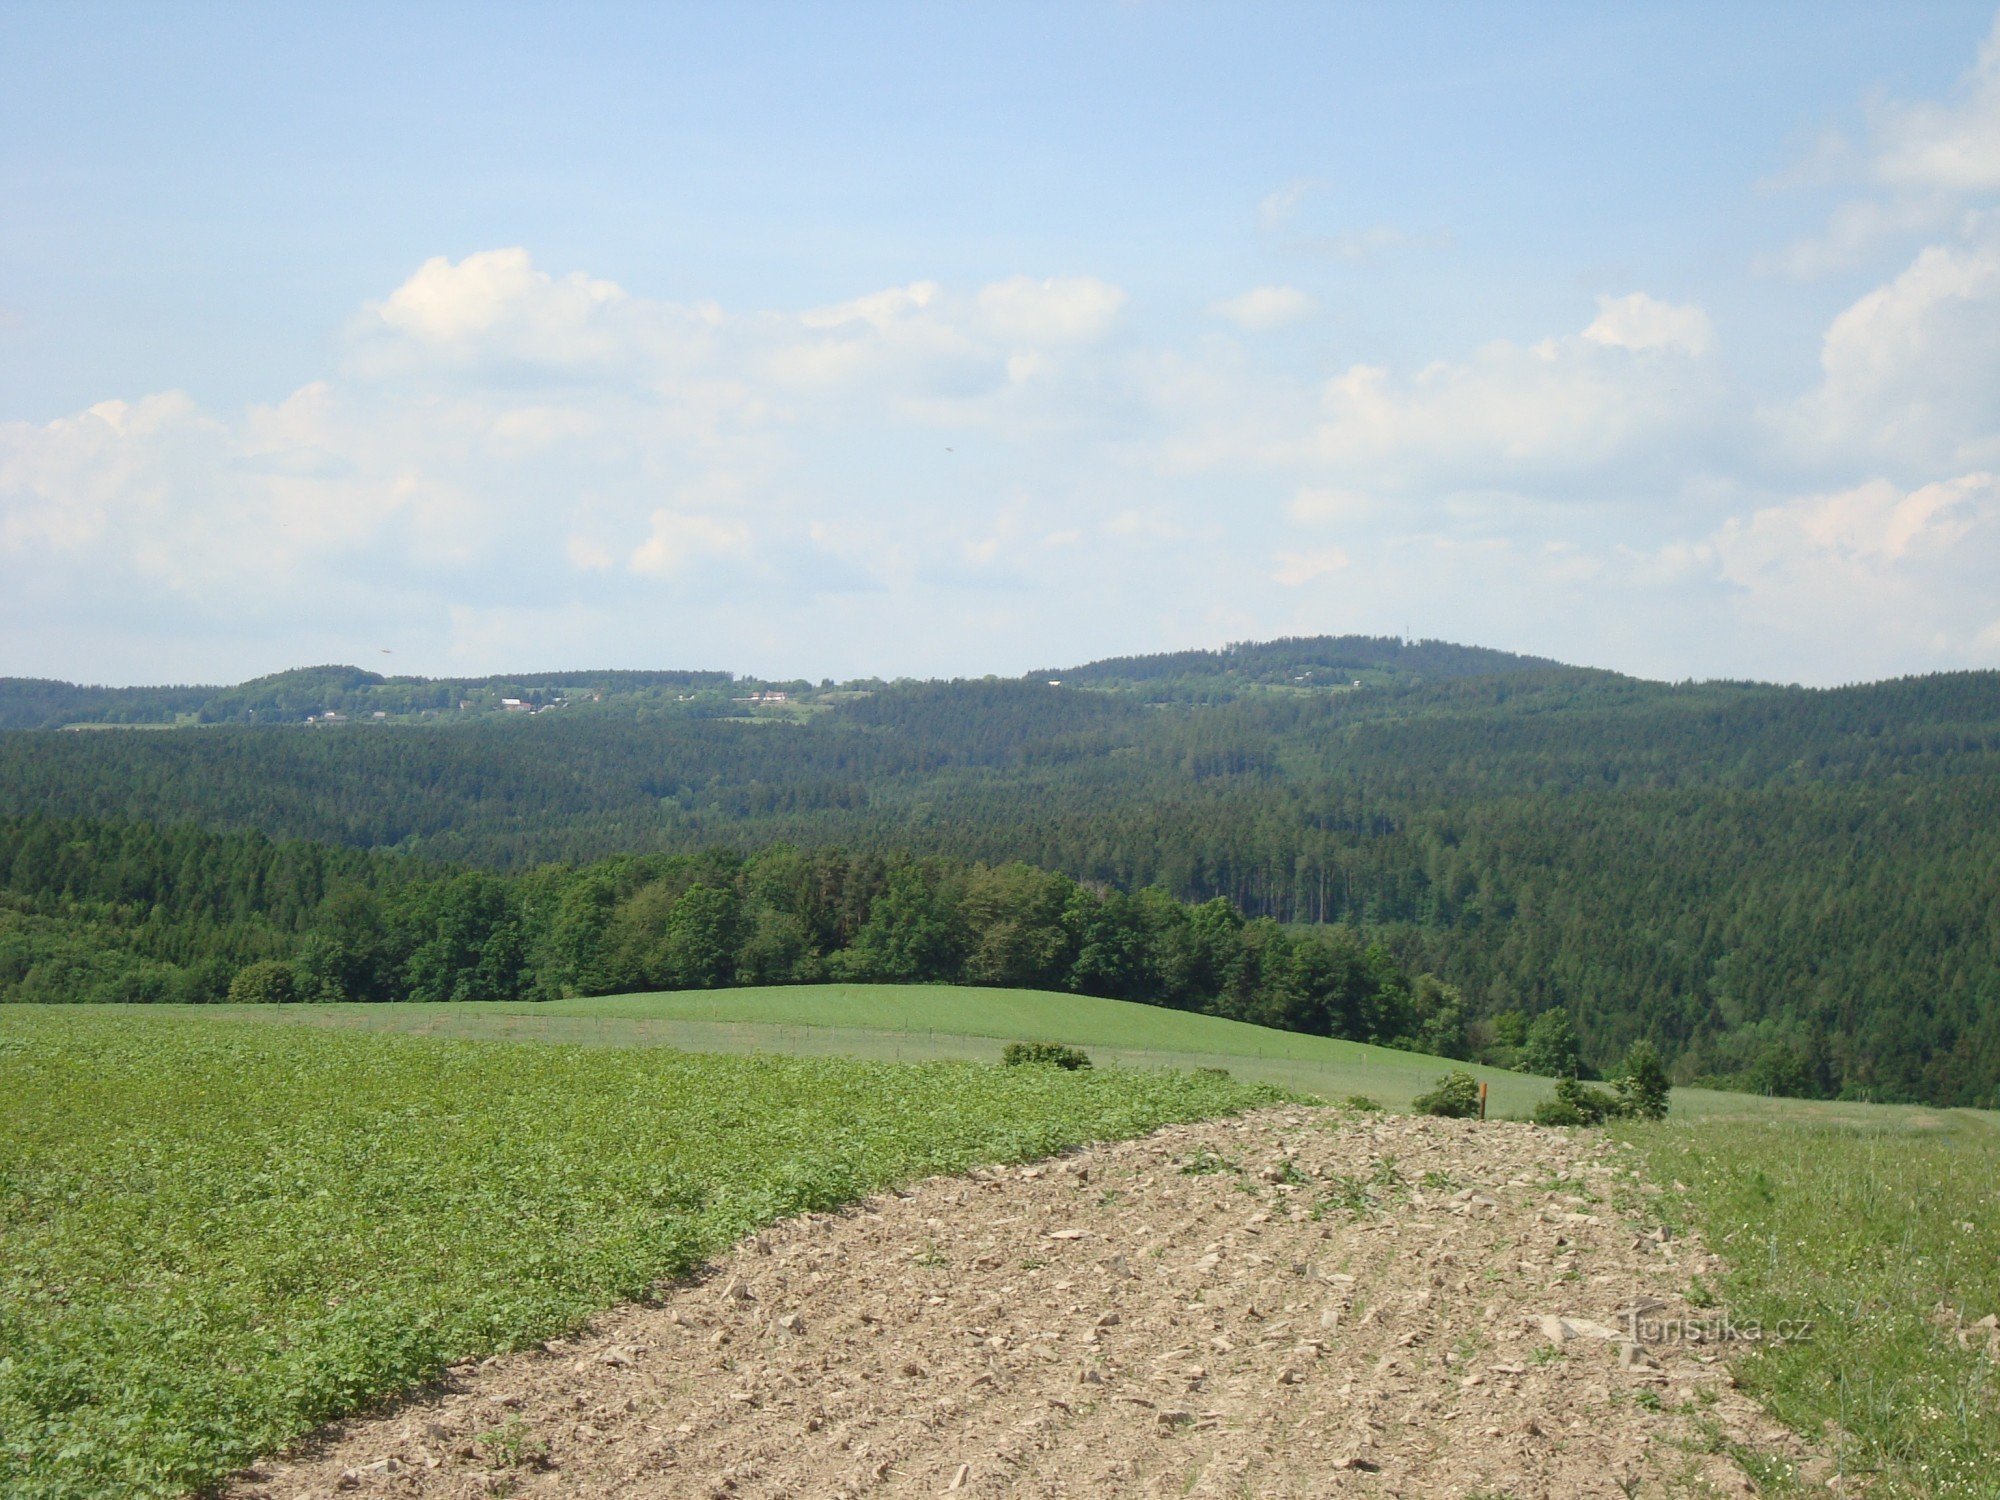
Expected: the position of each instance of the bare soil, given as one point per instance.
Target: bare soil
(1297, 1302)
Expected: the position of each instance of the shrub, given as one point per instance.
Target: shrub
(1044, 1054)
(1360, 1103)
(1577, 1104)
(1643, 1086)
(268, 982)
(1456, 1097)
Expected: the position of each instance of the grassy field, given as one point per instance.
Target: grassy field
(910, 1023)
(1873, 1236)
(214, 1236)
(919, 1022)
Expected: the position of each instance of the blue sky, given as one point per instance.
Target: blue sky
(953, 339)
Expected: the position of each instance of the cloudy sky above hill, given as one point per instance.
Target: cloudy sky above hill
(944, 340)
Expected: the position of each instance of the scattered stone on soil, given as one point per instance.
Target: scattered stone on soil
(1299, 1302)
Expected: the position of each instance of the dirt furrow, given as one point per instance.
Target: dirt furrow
(1298, 1302)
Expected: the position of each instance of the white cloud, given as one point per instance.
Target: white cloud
(1638, 321)
(679, 539)
(520, 468)
(1277, 209)
(1951, 146)
(1510, 414)
(1926, 161)
(1058, 310)
(1297, 568)
(1858, 228)
(1267, 307)
(1319, 504)
(1911, 370)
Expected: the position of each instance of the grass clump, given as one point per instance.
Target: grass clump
(216, 1235)
(1045, 1055)
(1863, 1260)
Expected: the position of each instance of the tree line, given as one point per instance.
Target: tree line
(180, 914)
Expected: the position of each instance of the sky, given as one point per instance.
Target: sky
(936, 340)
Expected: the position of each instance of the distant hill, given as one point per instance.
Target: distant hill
(310, 693)
(1313, 661)
(1791, 888)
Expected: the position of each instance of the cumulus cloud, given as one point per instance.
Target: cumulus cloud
(1911, 370)
(1512, 414)
(1060, 309)
(1295, 569)
(1266, 307)
(679, 539)
(1638, 321)
(508, 460)
(1924, 162)
(1952, 145)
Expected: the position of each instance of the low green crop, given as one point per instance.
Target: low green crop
(215, 1235)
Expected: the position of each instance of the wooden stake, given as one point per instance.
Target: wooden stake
(1482, 1101)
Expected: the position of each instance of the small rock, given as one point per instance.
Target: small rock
(958, 1480)
(1109, 1320)
(1632, 1357)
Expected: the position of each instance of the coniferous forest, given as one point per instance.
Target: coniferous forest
(1790, 890)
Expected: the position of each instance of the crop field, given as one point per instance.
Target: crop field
(215, 1236)
(910, 1023)
(904, 1022)
(1872, 1237)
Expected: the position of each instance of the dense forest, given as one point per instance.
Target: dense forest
(1785, 888)
(137, 913)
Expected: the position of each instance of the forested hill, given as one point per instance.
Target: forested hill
(336, 693)
(1303, 661)
(1795, 887)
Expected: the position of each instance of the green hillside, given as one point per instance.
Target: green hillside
(1783, 889)
(921, 1022)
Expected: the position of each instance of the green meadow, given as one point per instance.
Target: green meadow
(902, 1022)
(1872, 1237)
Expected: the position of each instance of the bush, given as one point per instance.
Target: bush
(1643, 1086)
(1577, 1104)
(1456, 1097)
(1044, 1054)
(1361, 1103)
(268, 982)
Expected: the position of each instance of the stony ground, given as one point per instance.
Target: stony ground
(1298, 1302)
